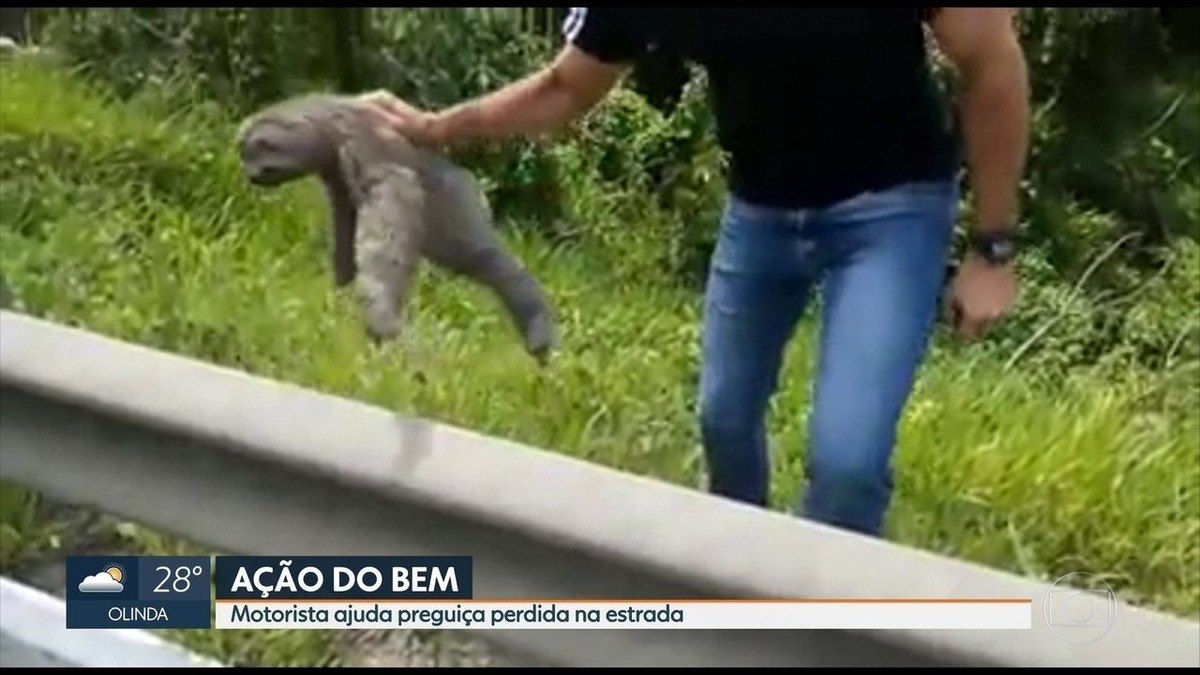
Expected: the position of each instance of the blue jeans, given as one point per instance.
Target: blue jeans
(879, 259)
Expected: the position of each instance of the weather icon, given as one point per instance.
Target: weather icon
(107, 581)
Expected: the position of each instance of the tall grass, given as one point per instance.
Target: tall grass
(130, 218)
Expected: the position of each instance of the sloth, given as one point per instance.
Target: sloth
(392, 204)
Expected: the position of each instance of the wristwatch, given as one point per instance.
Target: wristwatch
(996, 247)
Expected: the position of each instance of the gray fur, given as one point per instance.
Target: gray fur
(391, 204)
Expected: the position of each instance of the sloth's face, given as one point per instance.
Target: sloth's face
(274, 152)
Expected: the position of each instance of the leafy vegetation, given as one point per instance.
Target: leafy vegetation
(1067, 441)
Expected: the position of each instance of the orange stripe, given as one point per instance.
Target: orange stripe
(810, 601)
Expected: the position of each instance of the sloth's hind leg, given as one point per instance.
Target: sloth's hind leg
(389, 238)
(463, 240)
(482, 258)
(521, 295)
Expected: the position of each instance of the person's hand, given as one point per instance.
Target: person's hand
(418, 126)
(980, 295)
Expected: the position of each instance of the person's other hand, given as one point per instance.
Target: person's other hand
(418, 126)
(980, 295)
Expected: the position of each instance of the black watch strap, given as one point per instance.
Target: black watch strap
(998, 247)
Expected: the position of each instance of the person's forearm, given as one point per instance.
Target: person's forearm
(538, 104)
(995, 116)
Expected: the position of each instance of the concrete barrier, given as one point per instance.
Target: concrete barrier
(249, 465)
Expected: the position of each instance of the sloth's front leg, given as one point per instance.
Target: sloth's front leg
(388, 242)
(342, 217)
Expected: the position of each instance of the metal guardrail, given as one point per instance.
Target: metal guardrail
(33, 634)
(253, 466)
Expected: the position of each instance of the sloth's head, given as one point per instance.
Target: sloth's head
(276, 149)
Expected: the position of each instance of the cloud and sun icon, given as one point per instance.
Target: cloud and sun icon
(109, 580)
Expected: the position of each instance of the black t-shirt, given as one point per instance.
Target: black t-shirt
(812, 105)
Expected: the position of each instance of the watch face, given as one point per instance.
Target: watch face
(996, 249)
(1004, 249)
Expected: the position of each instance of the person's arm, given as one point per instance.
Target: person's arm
(601, 45)
(541, 103)
(983, 46)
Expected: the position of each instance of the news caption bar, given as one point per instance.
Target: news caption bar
(379, 592)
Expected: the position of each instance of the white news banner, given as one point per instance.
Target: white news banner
(541, 614)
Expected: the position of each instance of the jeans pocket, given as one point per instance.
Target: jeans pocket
(934, 198)
(933, 189)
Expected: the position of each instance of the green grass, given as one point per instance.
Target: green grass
(134, 223)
